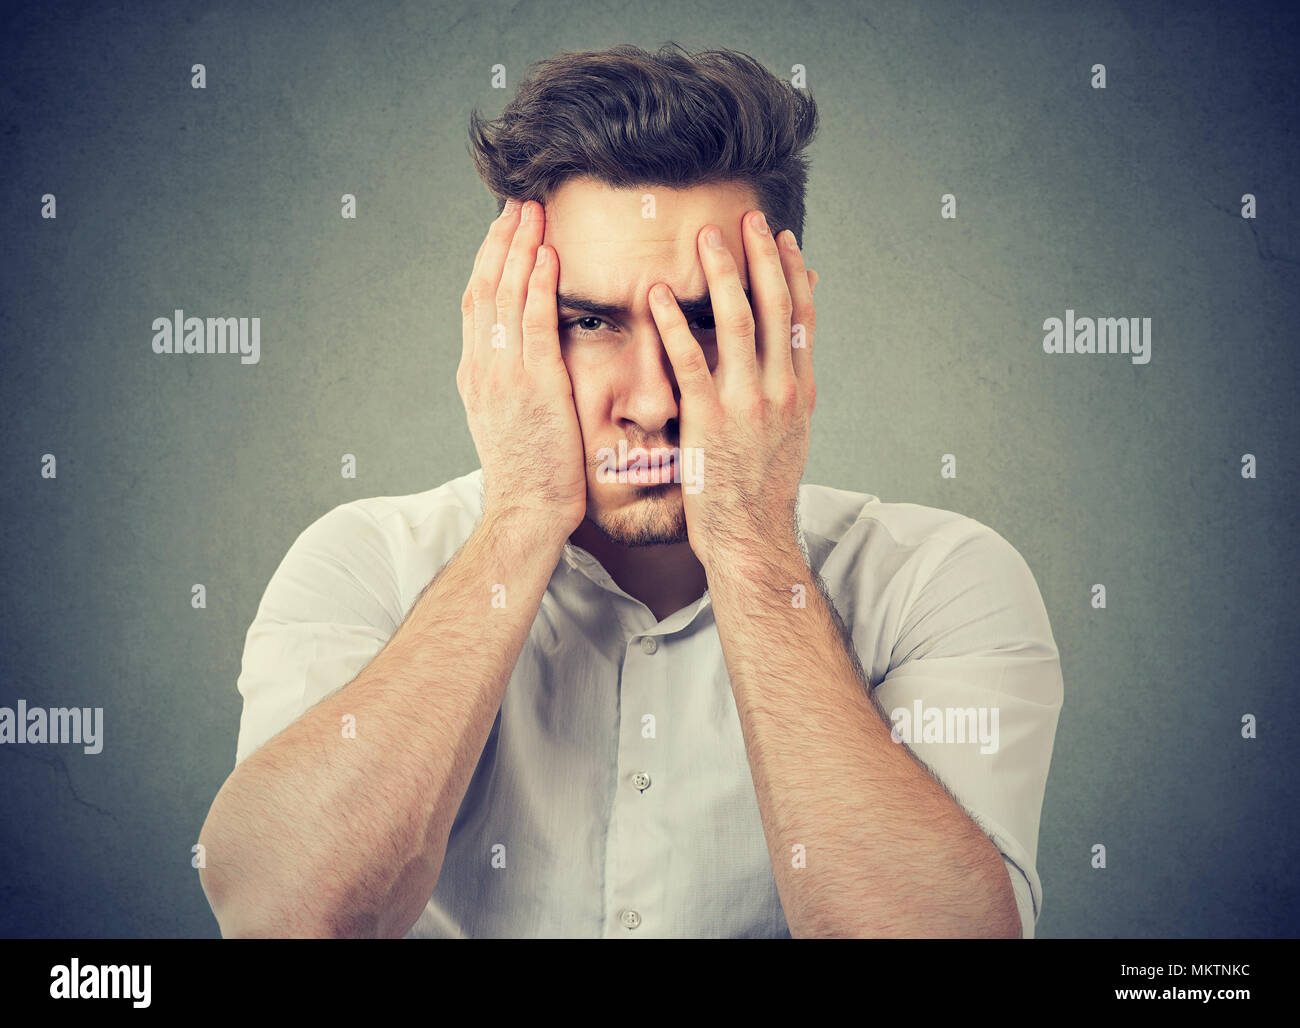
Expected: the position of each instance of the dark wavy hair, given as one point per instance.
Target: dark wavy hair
(635, 119)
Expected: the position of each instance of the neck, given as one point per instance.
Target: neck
(665, 578)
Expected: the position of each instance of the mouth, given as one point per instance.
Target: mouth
(655, 473)
(661, 474)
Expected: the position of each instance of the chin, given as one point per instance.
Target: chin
(652, 520)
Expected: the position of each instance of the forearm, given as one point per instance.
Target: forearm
(887, 851)
(319, 834)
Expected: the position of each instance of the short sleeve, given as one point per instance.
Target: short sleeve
(974, 687)
(326, 613)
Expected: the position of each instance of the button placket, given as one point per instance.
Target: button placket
(637, 835)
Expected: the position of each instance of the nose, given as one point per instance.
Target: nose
(648, 395)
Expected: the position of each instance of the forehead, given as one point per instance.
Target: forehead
(610, 241)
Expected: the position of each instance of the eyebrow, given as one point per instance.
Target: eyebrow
(692, 307)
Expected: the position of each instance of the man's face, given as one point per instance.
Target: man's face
(610, 254)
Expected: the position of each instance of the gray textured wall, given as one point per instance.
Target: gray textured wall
(1123, 201)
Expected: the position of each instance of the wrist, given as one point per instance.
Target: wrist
(739, 532)
(517, 530)
(752, 560)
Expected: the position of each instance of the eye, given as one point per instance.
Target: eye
(573, 322)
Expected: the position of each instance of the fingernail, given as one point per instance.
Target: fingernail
(760, 223)
(788, 240)
(713, 237)
(510, 207)
(530, 212)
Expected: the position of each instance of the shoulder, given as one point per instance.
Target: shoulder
(435, 517)
(839, 523)
(380, 549)
(914, 581)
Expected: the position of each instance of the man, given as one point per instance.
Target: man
(630, 678)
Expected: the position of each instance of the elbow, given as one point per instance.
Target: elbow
(243, 914)
(214, 880)
(243, 911)
(239, 893)
(1009, 925)
(1003, 920)
(1005, 925)
(229, 902)
(271, 909)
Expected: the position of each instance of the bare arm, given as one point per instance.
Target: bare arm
(314, 834)
(882, 848)
(887, 850)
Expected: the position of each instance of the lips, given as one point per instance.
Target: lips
(659, 474)
(649, 473)
(639, 466)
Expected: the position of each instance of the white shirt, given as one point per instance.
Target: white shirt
(608, 833)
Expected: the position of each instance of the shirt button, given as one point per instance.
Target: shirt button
(631, 919)
(649, 644)
(641, 780)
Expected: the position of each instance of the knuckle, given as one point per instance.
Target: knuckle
(511, 268)
(481, 290)
(537, 326)
(757, 406)
(467, 384)
(740, 324)
(788, 396)
(692, 363)
(494, 387)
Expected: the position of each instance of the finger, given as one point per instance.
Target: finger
(690, 366)
(772, 305)
(467, 303)
(488, 276)
(540, 321)
(732, 318)
(803, 319)
(466, 328)
(512, 291)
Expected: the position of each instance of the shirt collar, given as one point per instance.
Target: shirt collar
(582, 562)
